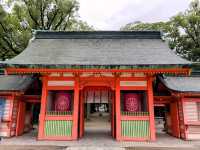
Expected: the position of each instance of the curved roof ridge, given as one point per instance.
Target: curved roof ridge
(40, 34)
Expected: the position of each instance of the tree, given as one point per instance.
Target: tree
(27, 15)
(140, 26)
(182, 31)
(13, 38)
(185, 32)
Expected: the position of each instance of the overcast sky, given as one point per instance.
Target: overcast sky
(112, 14)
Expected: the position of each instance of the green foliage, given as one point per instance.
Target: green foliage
(138, 26)
(27, 15)
(182, 31)
(185, 32)
(13, 38)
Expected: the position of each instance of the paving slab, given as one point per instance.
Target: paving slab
(159, 148)
(94, 148)
(98, 137)
(30, 147)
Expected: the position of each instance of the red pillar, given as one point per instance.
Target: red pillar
(151, 109)
(21, 118)
(42, 109)
(183, 119)
(75, 111)
(12, 99)
(175, 119)
(81, 126)
(118, 111)
(113, 116)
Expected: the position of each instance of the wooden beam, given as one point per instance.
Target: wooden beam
(162, 100)
(147, 71)
(31, 98)
(135, 88)
(55, 88)
(197, 99)
(64, 117)
(134, 117)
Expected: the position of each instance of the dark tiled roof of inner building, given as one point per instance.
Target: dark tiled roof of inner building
(15, 82)
(182, 84)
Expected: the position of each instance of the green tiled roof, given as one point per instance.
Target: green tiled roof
(97, 48)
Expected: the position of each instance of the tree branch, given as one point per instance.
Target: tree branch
(9, 44)
(49, 23)
(42, 14)
(59, 22)
(30, 14)
(68, 17)
(65, 26)
(192, 37)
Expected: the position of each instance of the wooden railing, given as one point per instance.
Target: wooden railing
(58, 128)
(135, 125)
(58, 113)
(58, 124)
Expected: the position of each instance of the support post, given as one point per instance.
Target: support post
(113, 115)
(11, 112)
(184, 119)
(118, 111)
(151, 109)
(42, 109)
(81, 126)
(75, 111)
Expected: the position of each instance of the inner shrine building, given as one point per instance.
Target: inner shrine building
(115, 68)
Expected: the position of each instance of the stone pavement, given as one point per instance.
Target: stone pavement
(94, 148)
(97, 137)
(100, 140)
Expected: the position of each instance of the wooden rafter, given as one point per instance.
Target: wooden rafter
(185, 71)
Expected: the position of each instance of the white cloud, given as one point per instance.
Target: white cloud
(112, 14)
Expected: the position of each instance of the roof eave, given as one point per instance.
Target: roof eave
(95, 66)
(176, 90)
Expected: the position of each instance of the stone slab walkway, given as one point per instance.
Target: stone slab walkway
(101, 139)
(97, 137)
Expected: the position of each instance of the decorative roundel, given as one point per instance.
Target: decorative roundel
(132, 102)
(62, 102)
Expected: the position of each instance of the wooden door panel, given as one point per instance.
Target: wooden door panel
(21, 118)
(175, 119)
